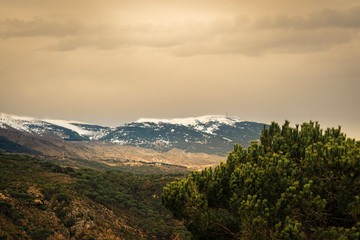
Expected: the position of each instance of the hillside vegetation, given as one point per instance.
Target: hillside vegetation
(296, 183)
(41, 200)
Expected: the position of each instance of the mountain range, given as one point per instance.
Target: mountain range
(146, 145)
(211, 134)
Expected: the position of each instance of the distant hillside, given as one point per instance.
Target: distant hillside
(206, 134)
(103, 155)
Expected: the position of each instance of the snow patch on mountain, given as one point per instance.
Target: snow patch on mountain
(69, 125)
(192, 121)
(209, 130)
(32, 125)
(17, 122)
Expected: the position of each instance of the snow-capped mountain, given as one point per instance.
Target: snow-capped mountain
(67, 130)
(210, 134)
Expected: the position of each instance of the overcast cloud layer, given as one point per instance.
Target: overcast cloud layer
(116, 61)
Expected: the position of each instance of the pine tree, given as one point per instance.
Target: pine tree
(296, 183)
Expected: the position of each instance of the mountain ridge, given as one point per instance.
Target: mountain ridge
(212, 134)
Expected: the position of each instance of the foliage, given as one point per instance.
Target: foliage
(297, 183)
(39, 234)
(70, 222)
(7, 210)
(134, 195)
(67, 193)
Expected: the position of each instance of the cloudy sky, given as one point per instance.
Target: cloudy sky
(110, 62)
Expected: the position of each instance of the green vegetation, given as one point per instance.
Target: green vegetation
(39, 199)
(137, 196)
(12, 147)
(297, 183)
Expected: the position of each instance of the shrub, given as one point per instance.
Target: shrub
(40, 234)
(62, 197)
(70, 222)
(10, 212)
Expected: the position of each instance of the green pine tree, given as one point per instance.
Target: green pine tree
(296, 183)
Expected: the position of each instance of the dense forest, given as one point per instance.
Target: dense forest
(296, 183)
(41, 200)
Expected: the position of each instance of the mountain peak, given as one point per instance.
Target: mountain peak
(190, 121)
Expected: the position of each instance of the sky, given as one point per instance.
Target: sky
(110, 62)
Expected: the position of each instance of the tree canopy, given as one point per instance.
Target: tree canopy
(295, 183)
